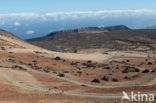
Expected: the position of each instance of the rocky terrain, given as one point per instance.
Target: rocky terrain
(31, 74)
(114, 38)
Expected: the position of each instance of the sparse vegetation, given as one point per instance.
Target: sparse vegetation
(96, 80)
(57, 58)
(3, 48)
(115, 80)
(89, 65)
(128, 69)
(126, 77)
(18, 67)
(145, 71)
(61, 75)
(105, 78)
(89, 61)
(107, 67)
(127, 60)
(149, 63)
(117, 39)
(154, 70)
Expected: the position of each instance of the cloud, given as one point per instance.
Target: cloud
(20, 15)
(76, 14)
(103, 12)
(17, 23)
(30, 32)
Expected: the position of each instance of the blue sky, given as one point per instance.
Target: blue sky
(42, 6)
(33, 18)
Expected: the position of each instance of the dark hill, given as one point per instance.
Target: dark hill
(114, 37)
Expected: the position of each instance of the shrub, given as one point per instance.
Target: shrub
(115, 80)
(106, 78)
(3, 48)
(145, 71)
(30, 64)
(154, 70)
(61, 75)
(89, 61)
(137, 70)
(79, 72)
(83, 85)
(36, 67)
(96, 80)
(57, 58)
(34, 61)
(149, 63)
(125, 71)
(89, 65)
(107, 67)
(127, 60)
(126, 77)
(45, 70)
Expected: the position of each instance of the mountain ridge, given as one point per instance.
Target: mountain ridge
(113, 37)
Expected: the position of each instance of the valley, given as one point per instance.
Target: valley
(30, 73)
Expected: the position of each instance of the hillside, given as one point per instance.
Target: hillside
(9, 40)
(30, 74)
(114, 37)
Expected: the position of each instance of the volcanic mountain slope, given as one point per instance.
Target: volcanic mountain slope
(11, 41)
(30, 74)
(115, 37)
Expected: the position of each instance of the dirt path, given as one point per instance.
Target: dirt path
(146, 80)
(37, 88)
(30, 87)
(92, 95)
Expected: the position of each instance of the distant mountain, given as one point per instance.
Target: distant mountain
(31, 25)
(113, 37)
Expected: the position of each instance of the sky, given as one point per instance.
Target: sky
(43, 6)
(33, 18)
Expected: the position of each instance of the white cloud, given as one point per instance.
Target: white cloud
(17, 23)
(76, 14)
(20, 15)
(30, 32)
(56, 16)
(102, 12)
